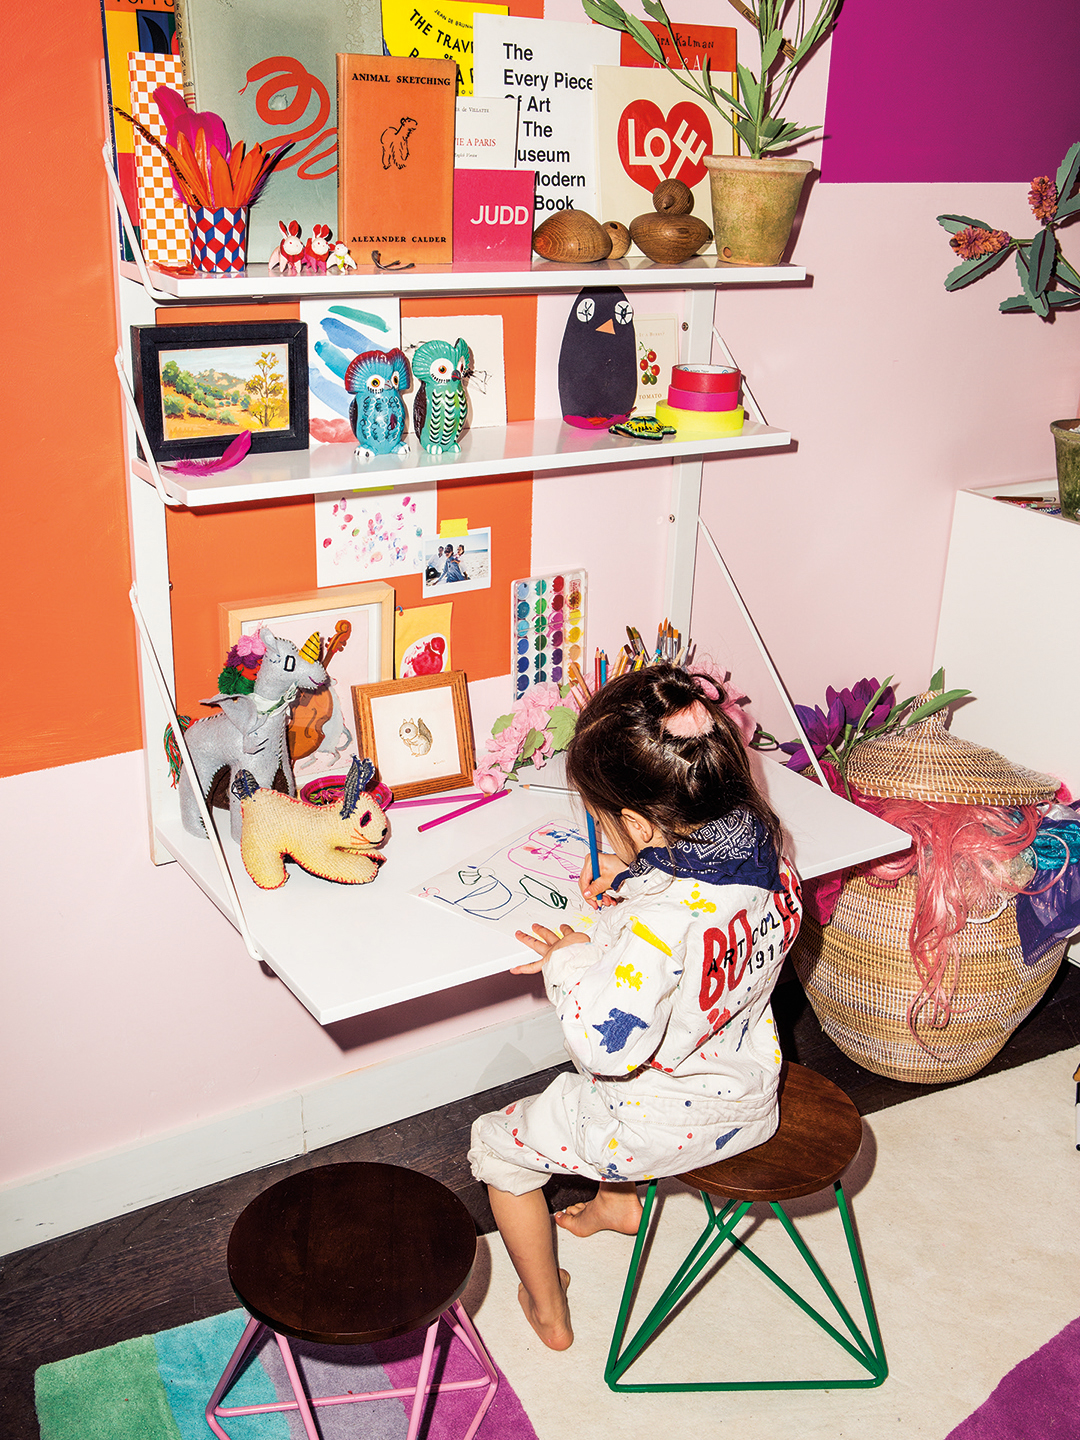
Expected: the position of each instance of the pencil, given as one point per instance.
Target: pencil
(440, 799)
(579, 679)
(594, 853)
(475, 805)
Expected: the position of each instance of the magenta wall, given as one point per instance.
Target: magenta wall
(930, 91)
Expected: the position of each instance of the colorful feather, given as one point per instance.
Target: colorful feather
(234, 453)
(207, 169)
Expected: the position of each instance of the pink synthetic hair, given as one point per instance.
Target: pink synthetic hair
(964, 857)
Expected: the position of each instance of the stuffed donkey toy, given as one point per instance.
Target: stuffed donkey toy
(250, 733)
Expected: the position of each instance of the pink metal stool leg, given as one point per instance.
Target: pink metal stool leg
(457, 1321)
(252, 1332)
(421, 1393)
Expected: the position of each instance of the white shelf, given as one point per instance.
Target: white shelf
(635, 273)
(486, 452)
(345, 950)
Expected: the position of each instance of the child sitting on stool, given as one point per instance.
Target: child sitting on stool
(665, 1006)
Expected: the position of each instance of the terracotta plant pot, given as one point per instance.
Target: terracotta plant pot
(1066, 435)
(754, 204)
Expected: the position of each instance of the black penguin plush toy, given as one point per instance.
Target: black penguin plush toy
(598, 360)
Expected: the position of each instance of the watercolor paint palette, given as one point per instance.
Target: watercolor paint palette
(548, 628)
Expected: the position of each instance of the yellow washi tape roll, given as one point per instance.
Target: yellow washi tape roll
(700, 424)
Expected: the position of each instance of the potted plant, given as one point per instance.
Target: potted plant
(1048, 284)
(755, 195)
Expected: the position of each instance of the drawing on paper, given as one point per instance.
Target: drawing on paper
(526, 879)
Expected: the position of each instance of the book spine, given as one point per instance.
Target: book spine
(341, 74)
(186, 49)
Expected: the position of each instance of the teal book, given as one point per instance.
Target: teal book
(268, 68)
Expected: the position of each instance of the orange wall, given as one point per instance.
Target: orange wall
(64, 572)
(241, 552)
(64, 575)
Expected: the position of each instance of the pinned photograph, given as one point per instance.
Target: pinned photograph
(453, 564)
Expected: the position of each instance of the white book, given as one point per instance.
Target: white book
(485, 135)
(650, 128)
(547, 66)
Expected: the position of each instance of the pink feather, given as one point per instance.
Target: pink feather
(180, 119)
(236, 451)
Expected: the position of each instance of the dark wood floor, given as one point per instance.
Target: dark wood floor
(165, 1265)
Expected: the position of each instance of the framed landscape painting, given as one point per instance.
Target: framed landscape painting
(198, 386)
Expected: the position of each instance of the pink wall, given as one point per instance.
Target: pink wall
(130, 1006)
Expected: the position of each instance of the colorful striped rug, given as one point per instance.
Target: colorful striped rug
(156, 1388)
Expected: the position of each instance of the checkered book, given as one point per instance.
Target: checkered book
(162, 217)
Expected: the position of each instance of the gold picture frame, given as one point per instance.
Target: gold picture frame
(356, 628)
(418, 732)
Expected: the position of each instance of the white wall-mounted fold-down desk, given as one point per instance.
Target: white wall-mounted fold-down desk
(345, 950)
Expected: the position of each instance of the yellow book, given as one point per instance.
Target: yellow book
(435, 30)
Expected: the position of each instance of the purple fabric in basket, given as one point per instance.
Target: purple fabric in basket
(1035, 1401)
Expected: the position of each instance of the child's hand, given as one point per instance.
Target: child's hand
(593, 889)
(544, 942)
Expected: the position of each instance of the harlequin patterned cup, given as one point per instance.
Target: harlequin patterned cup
(218, 238)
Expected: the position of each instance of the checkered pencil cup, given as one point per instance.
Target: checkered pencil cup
(218, 238)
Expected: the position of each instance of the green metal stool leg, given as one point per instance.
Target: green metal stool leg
(870, 1354)
(701, 1253)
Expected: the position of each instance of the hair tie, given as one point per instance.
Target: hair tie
(709, 688)
(694, 720)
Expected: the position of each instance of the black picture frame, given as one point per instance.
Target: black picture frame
(149, 343)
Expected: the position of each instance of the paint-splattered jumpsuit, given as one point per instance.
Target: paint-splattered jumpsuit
(666, 1015)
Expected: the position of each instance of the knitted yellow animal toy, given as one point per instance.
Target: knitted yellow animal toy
(336, 842)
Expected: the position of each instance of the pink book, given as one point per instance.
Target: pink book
(493, 215)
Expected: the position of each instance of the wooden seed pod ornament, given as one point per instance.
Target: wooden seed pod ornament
(670, 234)
(620, 238)
(571, 236)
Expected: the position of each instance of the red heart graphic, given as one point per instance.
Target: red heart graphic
(653, 148)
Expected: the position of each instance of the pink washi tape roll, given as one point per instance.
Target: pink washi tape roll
(706, 379)
(693, 400)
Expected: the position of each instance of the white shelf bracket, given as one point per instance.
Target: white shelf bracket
(755, 635)
(136, 419)
(239, 918)
(129, 229)
(749, 402)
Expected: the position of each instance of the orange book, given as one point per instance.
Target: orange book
(396, 157)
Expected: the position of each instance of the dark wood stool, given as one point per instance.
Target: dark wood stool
(819, 1135)
(346, 1255)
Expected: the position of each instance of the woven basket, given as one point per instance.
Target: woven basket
(860, 978)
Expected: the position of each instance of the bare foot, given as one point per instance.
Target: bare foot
(616, 1207)
(556, 1333)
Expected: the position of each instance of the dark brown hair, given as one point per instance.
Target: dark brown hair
(622, 757)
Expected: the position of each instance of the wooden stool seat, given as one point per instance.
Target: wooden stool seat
(818, 1136)
(346, 1255)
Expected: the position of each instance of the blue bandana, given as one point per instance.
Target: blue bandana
(734, 850)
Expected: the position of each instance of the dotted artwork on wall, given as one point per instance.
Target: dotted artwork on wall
(547, 628)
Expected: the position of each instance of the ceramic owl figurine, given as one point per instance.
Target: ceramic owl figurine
(377, 415)
(441, 405)
(598, 360)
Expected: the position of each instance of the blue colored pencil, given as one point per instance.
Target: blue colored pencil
(594, 853)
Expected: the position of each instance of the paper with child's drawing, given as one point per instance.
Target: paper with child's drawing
(526, 879)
